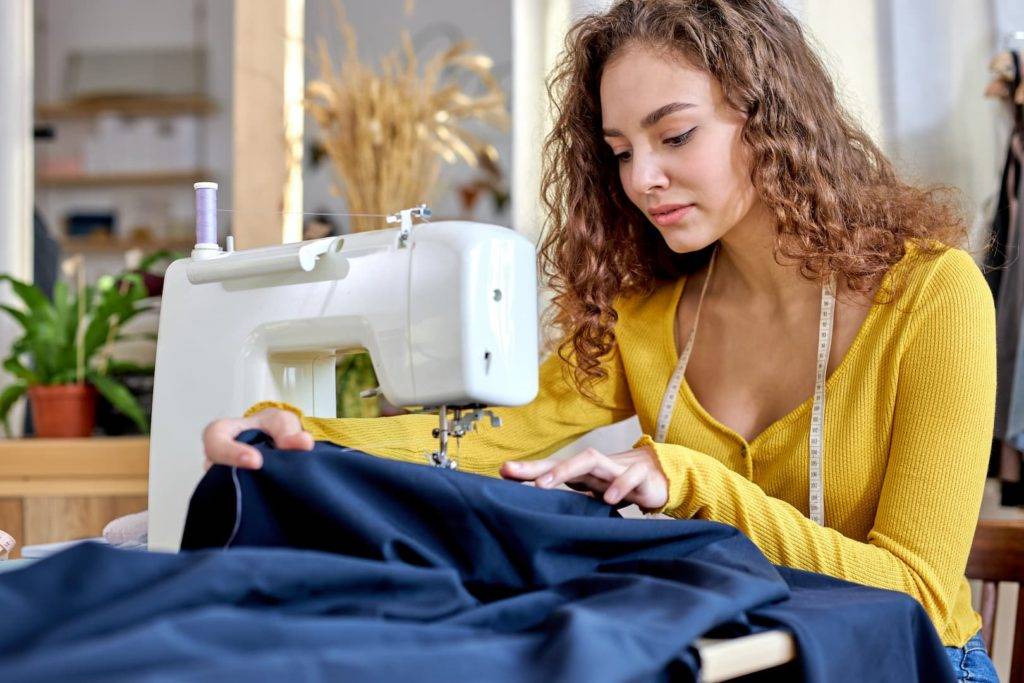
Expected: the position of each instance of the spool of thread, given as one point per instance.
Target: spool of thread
(206, 213)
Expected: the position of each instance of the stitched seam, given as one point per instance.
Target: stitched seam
(238, 508)
(965, 675)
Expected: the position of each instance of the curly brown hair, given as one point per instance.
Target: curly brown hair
(839, 205)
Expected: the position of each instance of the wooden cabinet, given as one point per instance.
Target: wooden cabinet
(63, 489)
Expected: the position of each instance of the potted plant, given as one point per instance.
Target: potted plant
(59, 358)
(133, 366)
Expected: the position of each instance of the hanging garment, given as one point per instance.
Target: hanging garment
(343, 566)
(1013, 289)
(1006, 278)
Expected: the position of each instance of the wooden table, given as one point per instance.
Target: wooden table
(63, 489)
(728, 658)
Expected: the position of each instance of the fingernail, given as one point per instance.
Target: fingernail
(545, 480)
(248, 460)
(611, 495)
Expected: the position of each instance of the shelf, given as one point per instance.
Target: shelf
(88, 245)
(121, 179)
(60, 489)
(127, 106)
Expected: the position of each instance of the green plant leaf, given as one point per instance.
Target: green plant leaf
(35, 301)
(62, 304)
(120, 398)
(67, 376)
(96, 335)
(14, 366)
(123, 367)
(138, 336)
(44, 346)
(20, 316)
(8, 397)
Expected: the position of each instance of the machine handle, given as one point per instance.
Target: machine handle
(287, 258)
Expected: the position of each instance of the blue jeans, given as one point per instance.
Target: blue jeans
(971, 662)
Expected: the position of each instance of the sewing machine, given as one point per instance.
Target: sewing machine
(447, 312)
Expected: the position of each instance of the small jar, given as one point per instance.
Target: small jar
(6, 544)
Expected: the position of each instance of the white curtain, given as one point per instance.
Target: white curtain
(914, 72)
(940, 126)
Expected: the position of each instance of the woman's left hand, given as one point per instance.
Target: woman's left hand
(632, 476)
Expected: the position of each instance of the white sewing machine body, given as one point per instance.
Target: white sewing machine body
(447, 311)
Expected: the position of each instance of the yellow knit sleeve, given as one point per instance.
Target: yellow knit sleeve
(557, 416)
(938, 456)
(263, 405)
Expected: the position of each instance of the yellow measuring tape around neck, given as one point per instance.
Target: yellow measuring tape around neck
(816, 493)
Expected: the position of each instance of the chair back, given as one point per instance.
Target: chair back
(997, 554)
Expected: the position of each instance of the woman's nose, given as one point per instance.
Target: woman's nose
(648, 174)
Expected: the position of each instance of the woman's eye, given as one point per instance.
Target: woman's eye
(677, 141)
(680, 140)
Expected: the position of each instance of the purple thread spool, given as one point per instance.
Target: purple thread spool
(206, 213)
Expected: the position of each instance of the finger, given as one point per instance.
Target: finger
(285, 430)
(589, 461)
(588, 483)
(526, 471)
(220, 446)
(296, 441)
(627, 482)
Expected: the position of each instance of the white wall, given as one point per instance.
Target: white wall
(846, 36)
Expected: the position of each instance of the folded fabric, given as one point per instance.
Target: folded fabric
(7, 544)
(129, 531)
(339, 564)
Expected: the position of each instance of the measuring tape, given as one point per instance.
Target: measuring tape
(816, 493)
(668, 401)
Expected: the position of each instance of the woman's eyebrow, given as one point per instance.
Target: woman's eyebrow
(652, 118)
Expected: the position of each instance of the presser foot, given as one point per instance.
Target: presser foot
(457, 428)
(443, 461)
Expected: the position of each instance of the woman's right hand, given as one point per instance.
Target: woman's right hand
(282, 426)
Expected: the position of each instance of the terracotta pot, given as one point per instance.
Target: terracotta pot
(64, 410)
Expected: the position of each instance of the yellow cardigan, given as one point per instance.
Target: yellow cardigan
(909, 421)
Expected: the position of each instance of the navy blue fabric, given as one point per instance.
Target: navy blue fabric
(342, 565)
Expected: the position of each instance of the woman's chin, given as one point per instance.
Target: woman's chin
(684, 240)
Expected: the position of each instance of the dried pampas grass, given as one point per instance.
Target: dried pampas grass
(386, 133)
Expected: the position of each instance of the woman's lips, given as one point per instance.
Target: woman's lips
(671, 217)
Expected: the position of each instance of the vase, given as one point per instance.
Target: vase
(63, 410)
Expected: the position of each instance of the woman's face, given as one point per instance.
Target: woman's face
(678, 146)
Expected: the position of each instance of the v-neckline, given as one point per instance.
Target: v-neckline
(674, 352)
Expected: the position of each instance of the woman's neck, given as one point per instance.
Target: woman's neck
(746, 270)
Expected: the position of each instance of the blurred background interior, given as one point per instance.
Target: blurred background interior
(113, 109)
(129, 104)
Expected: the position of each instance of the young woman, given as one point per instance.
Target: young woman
(810, 354)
